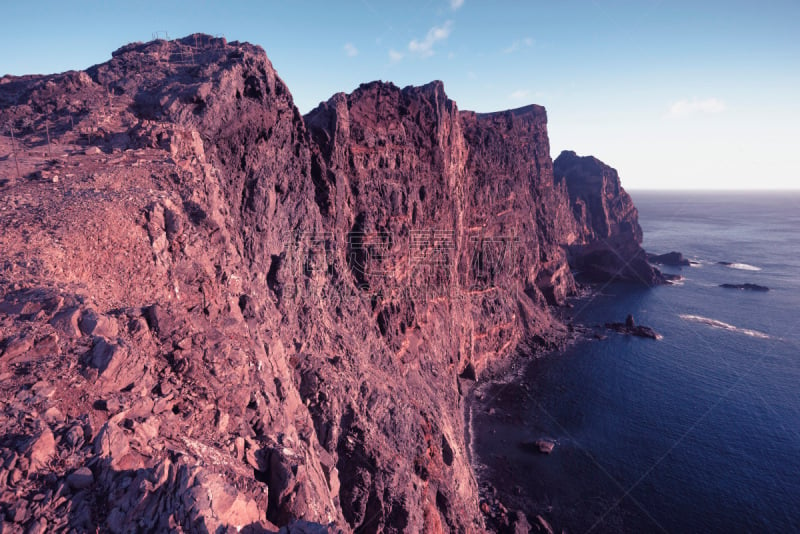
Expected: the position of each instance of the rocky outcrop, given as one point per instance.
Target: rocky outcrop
(610, 235)
(745, 287)
(673, 259)
(216, 313)
(630, 328)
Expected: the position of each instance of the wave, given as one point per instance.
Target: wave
(740, 266)
(724, 326)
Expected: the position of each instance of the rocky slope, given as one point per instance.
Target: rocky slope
(218, 314)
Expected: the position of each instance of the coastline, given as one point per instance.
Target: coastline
(504, 504)
(510, 371)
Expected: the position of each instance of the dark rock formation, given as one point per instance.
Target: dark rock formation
(216, 313)
(541, 446)
(609, 242)
(673, 259)
(746, 287)
(629, 327)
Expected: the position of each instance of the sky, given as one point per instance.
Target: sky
(674, 94)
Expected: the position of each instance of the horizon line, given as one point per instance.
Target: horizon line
(715, 190)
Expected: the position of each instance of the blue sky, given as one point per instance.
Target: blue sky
(673, 94)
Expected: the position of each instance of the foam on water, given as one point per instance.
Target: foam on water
(724, 326)
(743, 267)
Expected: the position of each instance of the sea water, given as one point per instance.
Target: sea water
(697, 432)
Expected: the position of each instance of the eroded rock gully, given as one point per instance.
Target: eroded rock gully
(218, 314)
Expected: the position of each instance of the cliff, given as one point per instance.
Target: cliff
(609, 246)
(217, 313)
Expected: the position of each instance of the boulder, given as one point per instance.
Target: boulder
(94, 324)
(229, 506)
(66, 322)
(118, 366)
(81, 478)
(111, 442)
(545, 446)
(17, 346)
(41, 448)
(103, 354)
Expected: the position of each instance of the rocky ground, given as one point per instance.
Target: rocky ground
(219, 315)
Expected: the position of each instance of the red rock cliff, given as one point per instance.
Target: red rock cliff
(217, 313)
(610, 236)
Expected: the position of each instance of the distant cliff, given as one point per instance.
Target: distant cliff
(217, 311)
(610, 240)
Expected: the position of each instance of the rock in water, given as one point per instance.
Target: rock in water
(519, 523)
(629, 327)
(673, 259)
(545, 446)
(746, 287)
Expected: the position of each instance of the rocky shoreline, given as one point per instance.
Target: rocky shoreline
(505, 506)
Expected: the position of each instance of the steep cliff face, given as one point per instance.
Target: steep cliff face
(511, 177)
(442, 279)
(609, 246)
(217, 312)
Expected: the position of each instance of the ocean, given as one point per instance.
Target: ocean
(696, 432)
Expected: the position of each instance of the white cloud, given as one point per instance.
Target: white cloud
(424, 48)
(519, 94)
(456, 4)
(350, 49)
(519, 43)
(395, 56)
(684, 108)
